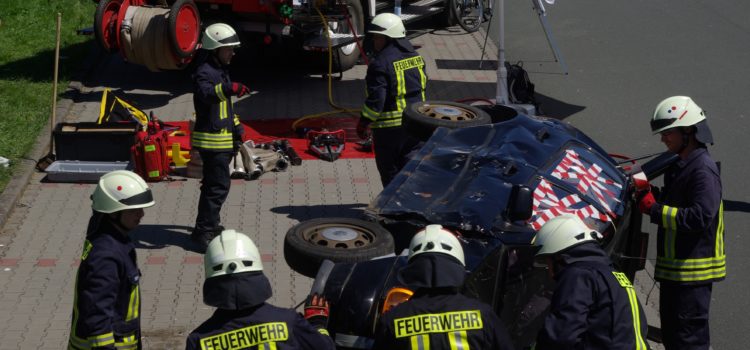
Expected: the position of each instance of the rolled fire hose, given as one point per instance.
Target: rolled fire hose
(145, 39)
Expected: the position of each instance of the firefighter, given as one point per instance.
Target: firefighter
(217, 133)
(106, 306)
(593, 306)
(438, 316)
(690, 218)
(236, 286)
(395, 78)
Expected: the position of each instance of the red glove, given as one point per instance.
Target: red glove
(239, 89)
(646, 202)
(316, 310)
(362, 127)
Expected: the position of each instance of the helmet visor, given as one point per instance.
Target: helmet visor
(658, 124)
(231, 40)
(144, 197)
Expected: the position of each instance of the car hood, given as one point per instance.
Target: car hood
(463, 178)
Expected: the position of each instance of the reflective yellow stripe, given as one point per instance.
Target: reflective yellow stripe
(267, 346)
(387, 120)
(207, 140)
(134, 304)
(458, 340)
(323, 331)
(101, 339)
(420, 342)
(423, 80)
(219, 92)
(368, 113)
(236, 120)
(127, 343)
(400, 90)
(690, 269)
(78, 343)
(223, 102)
(669, 222)
(87, 246)
(701, 263)
(691, 276)
(634, 310)
(719, 248)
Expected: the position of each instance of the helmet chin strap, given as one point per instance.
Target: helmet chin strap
(117, 224)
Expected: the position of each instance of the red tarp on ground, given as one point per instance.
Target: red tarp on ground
(263, 131)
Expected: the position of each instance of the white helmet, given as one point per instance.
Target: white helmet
(121, 190)
(675, 112)
(231, 252)
(389, 25)
(563, 232)
(436, 239)
(218, 35)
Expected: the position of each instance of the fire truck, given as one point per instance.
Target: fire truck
(165, 34)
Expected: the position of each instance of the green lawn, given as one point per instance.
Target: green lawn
(27, 51)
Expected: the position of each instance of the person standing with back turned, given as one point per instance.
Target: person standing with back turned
(690, 215)
(218, 133)
(395, 79)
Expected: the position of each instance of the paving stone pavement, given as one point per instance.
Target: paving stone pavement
(41, 241)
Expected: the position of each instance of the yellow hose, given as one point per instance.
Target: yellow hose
(338, 109)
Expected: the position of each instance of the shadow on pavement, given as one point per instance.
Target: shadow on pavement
(162, 236)
(307, 212)
(730, 205)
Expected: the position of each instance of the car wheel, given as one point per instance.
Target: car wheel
(105, 24)
(420, 119)
(310, 242)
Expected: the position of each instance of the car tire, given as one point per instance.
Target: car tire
(310, 242)
(420, 119)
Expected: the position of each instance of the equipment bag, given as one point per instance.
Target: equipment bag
(150, 156)
(520, 88)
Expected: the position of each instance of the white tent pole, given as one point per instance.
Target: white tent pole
(501, 95)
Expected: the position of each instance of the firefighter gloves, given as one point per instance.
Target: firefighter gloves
(646, 202)
(239, 89)
(316, 310)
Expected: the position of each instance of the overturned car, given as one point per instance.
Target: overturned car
(495, 184)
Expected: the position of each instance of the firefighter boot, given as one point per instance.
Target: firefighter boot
(201, 237)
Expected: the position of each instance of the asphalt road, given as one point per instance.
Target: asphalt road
(626, 56)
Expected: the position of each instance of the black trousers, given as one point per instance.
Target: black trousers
(392, 147)
(214, 189)
(684, 315)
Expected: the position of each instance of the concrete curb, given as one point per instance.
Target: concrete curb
(23, 172)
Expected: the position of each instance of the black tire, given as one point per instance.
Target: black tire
(106, 37)
(310, 242)
(420, 119)
(175, 32)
